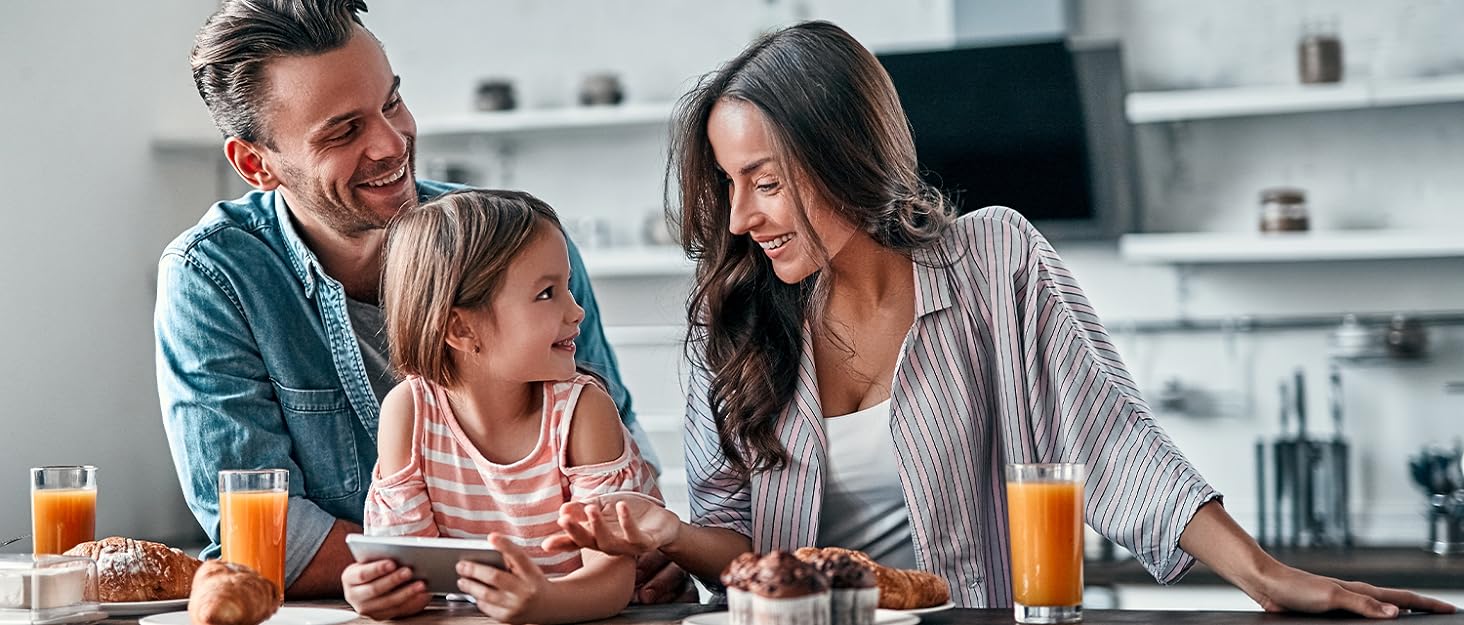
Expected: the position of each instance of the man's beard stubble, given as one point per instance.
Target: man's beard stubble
(343, 215)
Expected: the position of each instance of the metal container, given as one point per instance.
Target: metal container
(1446, 523)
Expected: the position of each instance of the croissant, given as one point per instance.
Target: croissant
(225, 593)
(899, 589)
(138, 570)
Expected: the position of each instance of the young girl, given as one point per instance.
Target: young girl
(493, 428)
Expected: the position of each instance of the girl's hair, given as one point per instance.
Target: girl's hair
(842, 138)
(450, 252)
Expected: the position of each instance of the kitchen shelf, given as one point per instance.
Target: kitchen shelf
(491, 124)
(1170, 106)
(525, 121)
(637, 262)
(1225, 247)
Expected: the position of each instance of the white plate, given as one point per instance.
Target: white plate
(286, 616)
(881, 617)
(78, 617)
(935, 608)
(139, 608)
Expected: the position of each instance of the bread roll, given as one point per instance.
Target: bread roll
(138, 570)
(225, 593)
(899, 589)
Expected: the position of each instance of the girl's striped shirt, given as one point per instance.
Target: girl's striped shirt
(449, 489)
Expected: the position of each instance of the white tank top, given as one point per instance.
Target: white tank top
(864, 505)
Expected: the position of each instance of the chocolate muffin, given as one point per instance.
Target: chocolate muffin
(737, 577)
(781, 575)
(854, 587)
(776, 589)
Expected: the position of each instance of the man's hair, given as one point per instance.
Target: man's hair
(236, 44)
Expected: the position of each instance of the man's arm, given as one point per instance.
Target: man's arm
(322, 577)
(218, 404)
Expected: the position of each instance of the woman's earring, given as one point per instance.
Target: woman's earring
(477, 349)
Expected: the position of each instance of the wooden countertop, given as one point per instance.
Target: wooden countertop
(464, 614)
(1400, 567)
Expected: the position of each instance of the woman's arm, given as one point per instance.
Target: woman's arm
(1215, 539)
(705, 551)
(633, 526)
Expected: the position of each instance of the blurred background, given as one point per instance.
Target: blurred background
(1266, 210)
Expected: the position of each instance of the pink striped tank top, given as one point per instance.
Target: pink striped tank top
(449, 489)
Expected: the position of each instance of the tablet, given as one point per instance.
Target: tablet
(433, 560)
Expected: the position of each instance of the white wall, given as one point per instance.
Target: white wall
(87, 212)
(1390, 168)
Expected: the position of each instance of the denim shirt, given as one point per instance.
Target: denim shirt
(258, 367)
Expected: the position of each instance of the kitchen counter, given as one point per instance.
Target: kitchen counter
(465, 614)
(1399, 567)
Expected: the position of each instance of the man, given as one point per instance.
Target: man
(270, 346)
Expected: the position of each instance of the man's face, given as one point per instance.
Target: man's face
(343, 140)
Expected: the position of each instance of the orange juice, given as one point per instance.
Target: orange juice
(63, 517)
(252, 530)
(1047, 542)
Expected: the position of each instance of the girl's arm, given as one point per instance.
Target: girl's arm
(1215, 539)
(380, 589)
(521, 594)
(396, 503)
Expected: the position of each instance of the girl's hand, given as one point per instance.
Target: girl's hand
(509, 596)
(381, 590)
(1291, 589)
(616, 525)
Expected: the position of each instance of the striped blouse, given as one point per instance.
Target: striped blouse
(1006, 362)
(449, 489)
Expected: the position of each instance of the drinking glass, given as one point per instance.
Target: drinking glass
(253, 508)
(1045, 515)
(63, 507)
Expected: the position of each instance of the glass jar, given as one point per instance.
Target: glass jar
(1283, 209)
(1319, 53)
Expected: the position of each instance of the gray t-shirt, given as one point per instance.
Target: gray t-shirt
(368, 321)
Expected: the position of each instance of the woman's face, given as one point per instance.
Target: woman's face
(761, 194)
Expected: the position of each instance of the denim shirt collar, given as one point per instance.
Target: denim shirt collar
(302, 259)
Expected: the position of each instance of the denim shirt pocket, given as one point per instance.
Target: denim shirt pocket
(320, 423)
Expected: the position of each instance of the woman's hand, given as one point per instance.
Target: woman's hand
(615, 525)
(1217, 540)
(513, 595)
(381, 590)
(1290, 589)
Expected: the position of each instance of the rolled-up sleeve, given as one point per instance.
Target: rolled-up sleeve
(218, 404)
(1081, 405)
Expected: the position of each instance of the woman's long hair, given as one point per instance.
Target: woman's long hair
(838, 126)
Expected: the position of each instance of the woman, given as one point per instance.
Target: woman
(865, 364)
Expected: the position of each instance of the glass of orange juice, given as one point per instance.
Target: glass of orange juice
(63, 507)
(253, 507)
(1045, 515)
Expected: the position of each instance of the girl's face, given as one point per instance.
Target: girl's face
(528, 330)
(761, 194)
